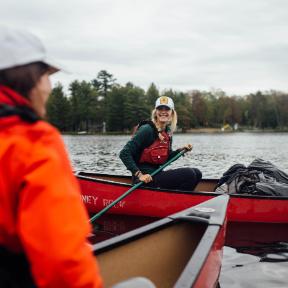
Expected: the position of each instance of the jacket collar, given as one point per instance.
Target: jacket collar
(12, 98)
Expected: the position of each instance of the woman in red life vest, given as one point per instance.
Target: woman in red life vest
(43, 223)
(151, 146)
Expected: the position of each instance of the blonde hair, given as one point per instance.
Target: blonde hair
(173, 122)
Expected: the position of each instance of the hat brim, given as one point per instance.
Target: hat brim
(163, 105)
(53, 70)
(53, 67)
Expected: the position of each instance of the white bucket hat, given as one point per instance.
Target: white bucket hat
(164, 101)
(19, 47)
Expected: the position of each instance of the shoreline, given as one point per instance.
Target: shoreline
(190, 131)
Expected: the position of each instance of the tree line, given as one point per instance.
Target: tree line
(102, 105)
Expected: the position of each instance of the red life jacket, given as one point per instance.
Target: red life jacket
(158, 152)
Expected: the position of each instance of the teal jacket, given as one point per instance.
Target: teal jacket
(131, 152)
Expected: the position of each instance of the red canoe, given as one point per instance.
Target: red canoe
(99, 190)
(198, 236)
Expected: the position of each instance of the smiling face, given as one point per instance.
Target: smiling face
(163, 114)
(39, 95)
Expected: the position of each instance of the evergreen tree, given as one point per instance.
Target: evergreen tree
(103, 83)
(84, 103)
(281, 109)
(58, 109)
(184, 110)
(126, 107)
(135, 106)
(151, 95)
(115, 108)
(199, 109)
(121, 107)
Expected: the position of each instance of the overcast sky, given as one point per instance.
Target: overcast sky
(239, 46)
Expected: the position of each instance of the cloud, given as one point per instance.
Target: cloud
(238, 46)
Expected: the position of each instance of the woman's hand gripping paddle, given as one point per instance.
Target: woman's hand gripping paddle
(96, 216)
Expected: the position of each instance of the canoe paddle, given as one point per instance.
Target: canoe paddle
(96, 216)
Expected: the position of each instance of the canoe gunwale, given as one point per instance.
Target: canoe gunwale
(81, 175)
(188, 215)
(104, 181)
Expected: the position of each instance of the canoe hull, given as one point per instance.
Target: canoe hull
(213, 263)
(196, 261)
(97, 194)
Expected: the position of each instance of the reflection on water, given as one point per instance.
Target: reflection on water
(255, 255)
(241, 270)
(269, 252)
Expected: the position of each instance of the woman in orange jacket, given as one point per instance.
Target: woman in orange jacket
(43, 223)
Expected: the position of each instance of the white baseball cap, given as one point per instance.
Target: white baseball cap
(19, 47)
(164, 101)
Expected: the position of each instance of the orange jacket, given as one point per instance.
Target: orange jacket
(41, 213)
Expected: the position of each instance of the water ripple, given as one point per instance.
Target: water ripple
(213, 154)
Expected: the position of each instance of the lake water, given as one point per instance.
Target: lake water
(254, 256)
(212, 153)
